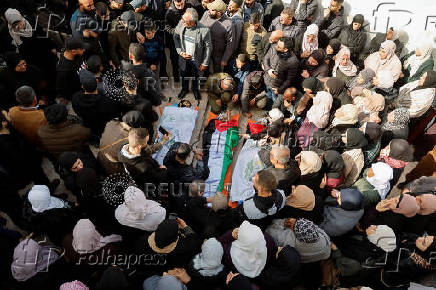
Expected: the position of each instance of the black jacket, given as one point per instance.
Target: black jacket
(67, 81)
(354, 40)
(287, 69)
(286, 177)
(147, 87)
(95, 110)
(143, 169)
(182, 173)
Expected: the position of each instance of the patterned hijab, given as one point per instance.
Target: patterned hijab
(401, 120)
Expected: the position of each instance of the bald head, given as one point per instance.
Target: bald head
(289, 94)
(86, 5)
(275, 36)
(280, 154)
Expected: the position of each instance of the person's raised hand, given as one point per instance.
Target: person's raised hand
(181, 223)
(235, 233)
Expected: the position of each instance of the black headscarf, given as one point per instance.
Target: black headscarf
(351, 199)
(335, 44)
(67, 159)
(337, 89)
(113, 278)
(373, 131)
(355, 139)
(88, 182)
(430, 80)
(240, 282)
(318, 55)
(400, 149)
(336, 86)
(314, 84)
(334, 164)
(283, 270)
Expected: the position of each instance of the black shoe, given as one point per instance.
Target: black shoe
(181, 95)
(197, 95)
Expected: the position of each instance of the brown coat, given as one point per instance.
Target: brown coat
(27, 122)
(425, 167)
(113, 138)
(65, 136)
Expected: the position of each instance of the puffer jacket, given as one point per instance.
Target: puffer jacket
(287, 69)
(66, 136)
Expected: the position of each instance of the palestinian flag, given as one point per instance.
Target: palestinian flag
(219, 141)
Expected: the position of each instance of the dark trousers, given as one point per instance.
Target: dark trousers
(191, 72)
(174, 57)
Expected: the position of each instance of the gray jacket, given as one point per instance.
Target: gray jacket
(309, 253)
(203, 45)
(305, 11)
(338, 221)
(223, 34)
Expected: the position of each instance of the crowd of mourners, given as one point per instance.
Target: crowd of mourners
(347, 196)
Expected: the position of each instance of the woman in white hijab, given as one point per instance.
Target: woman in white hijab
(344, 68)
(41, 200)
(19, 27)
(249, 251)
(309, 41)
(383, 80)
(208, 262)
(418, 62)
(319, 113)
(379, 176)
(346, 115)
(138, 212)
(385, 59)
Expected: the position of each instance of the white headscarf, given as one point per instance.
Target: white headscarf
(385, 79)
(12, 16)
(382, 174)
(275, 114)
(208, 262)
(384, 238)
(30, 258)
(310, 162)
(390, 63)
(306, 46)
(350, 117)
(319, 113)
(249, 251)
(349, 69)
(414, 62)
(138, 212)
(41, 200)
(86, 239)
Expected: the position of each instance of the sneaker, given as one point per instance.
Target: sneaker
(182, 94)
(197, 95)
